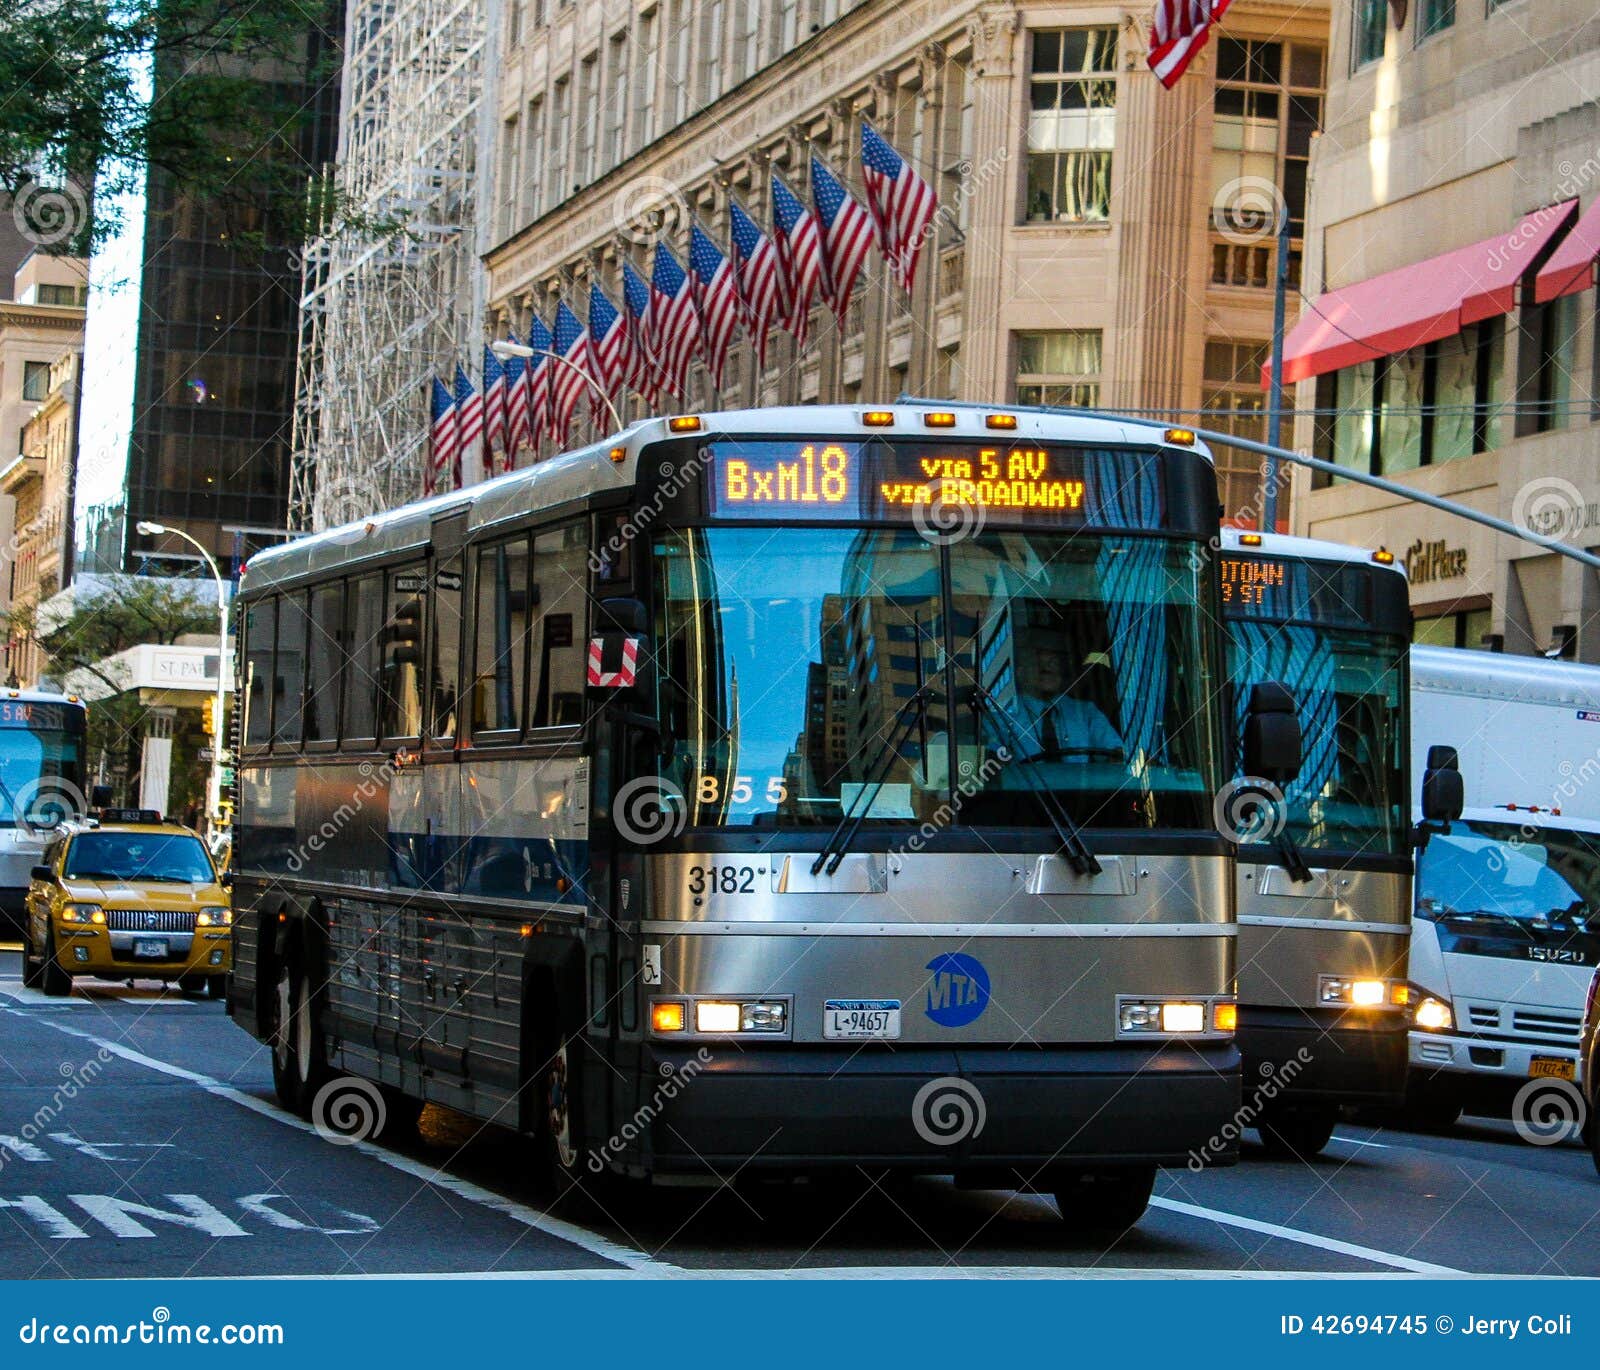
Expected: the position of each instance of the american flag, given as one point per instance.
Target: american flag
(539, 368)
(901, 202)
(847, 234)
(442, 456)
(609, 337)
(1180, 30)
(519, 407)
(469, 419)
(675, 326)
(646, 376)
(494, 408)
(567, 383)
(755, 273)
(715, 296)
(799, 242)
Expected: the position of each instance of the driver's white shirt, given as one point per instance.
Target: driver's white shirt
(1080, 725)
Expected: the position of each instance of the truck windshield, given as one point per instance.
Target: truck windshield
(1349, 691)
(788, 658)
(1500, 879)
(138, 856)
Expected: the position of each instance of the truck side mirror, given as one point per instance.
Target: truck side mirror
(1272, 741)
(1443, 790)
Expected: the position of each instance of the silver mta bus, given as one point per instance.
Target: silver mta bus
(778, 790)
(41, 785)
(1325, 858)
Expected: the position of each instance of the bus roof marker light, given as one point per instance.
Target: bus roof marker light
(1180, 437)
(878, 418)
(1250, 539)
(684, 423)
(1383, 556)
(939, 418)
(618, 454)
(1005, 421)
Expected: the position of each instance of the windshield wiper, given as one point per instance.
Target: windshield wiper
(1080, 856)
(1291, 858)
(844, 831)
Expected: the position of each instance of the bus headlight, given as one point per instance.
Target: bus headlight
(1348, 991)
(82, 913)
(214, 916)
(1433, 1015)
(740, 1015)
(1163, 1017)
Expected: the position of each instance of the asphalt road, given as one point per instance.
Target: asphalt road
(157, 1150)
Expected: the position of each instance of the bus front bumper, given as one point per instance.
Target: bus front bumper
(1324, 1056)
(940, 1111)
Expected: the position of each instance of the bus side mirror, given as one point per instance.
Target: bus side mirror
(101, 797)
(620, 625)
(225, 879)
(1272, 740)
(1443, 790)
(42, 873)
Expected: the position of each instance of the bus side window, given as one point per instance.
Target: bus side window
(401, 679)
(557, 672)
(446, 627)
(501, 650)
(363, 612)
(261, 622)
(289, 688)
(322, 663)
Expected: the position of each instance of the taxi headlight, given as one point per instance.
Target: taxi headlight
(214, 916)
(82, 913)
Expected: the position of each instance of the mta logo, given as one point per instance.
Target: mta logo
(958, 991)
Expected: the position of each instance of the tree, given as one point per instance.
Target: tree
(236, 83)
(107, 617)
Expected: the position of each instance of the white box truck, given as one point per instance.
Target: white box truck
(1506, 934)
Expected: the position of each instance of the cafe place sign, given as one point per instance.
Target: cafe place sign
(1430, 561)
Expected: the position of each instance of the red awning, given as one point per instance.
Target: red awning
(1571, 266)
(1417, 304)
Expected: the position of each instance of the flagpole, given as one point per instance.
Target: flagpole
(1269, 519)
(502, 348)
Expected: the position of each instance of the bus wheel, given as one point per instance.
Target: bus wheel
(191, 986)
(53, 979)
(217, 986)
(1430, 1108)
(1594, 1133)
(1105, 1200)
(1300, 1133)
(281, 1038)
(310, 1063)
(563, 1089)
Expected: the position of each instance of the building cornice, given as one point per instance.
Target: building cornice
(62, 316)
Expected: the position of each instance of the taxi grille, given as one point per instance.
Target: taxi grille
(150, 920)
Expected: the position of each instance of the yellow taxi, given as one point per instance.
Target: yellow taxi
(127, 897)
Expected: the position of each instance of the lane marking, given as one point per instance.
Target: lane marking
(585, 1240)
(1351, 1141)
(859, 1272)
(1294, 1234)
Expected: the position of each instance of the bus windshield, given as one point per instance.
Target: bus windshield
(1498, 879)
(41, 776)
(792, 661)
(1348, 687)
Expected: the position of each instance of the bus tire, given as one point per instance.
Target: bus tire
(1430, 1108)
(53, 978)
(217, 986)
(1594, 1137)
(191, 986)
(310, 1051)
(1105, 1200)
(279, 1010)
(563, 1093)
(1298, 1133)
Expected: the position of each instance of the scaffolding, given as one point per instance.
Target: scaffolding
(382, 310)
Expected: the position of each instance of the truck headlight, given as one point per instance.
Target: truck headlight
(1433, 1015)
(214, 916)
(82, 913)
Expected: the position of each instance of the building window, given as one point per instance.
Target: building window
(746, 38)
(1371, 25)
(711, 50)
(1267, 107)
(560, 140)
(63, 294)
(35, 380)
(1465, 629)
(648, 52)
(514, 25)
(1435, 16)
(1552, 331)
(786, 31)
(533, 161)
(1417, 408)
(1235, 403)
(1061, 367)
(616, 99)
(588, 117)
(510, 174)
(1071, 125)
(678, 61)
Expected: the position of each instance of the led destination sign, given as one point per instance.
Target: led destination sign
(849, 481)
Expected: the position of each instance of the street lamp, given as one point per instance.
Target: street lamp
(214, 787)
(511, 349)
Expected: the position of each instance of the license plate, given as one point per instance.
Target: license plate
(151, 948)
(864, 1019)
(1553, 1068)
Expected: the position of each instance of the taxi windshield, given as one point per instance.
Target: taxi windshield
(138, 856)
